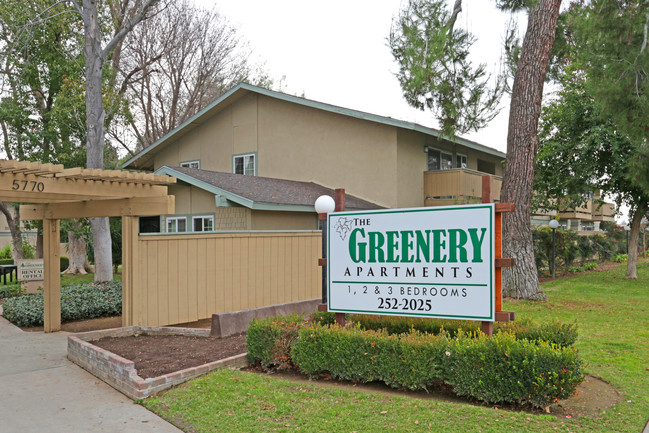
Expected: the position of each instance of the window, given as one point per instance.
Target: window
(438, 160)
(150, 224)
(176, 224)
(191, 164)
(244, 164)
(486, 167)
(460, 161)
(203, 223)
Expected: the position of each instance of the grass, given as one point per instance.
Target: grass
(614, 340)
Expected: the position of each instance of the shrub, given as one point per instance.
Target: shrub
(6, 261)
(493, 370)
(11, 291)
(591, 266)
(620, 258)
(85, 301)
(553, 332)
(412, 361)
(504, 369)
(575, 269)
(5, 253)
(268, 340)
(65, 263)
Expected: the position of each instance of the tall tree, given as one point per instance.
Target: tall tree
(174, 64)
(435, 72)
(609, 48)
(41, 108)
(522, 145)
(583, 150)
(96, 53)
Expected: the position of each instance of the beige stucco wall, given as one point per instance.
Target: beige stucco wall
(231, 131)
(412, 161)
(192, 200)
(373, 161)
(271, 220)
(306, 144)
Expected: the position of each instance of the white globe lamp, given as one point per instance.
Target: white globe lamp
(325, 204)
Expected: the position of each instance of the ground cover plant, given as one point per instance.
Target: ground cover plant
(78, 302)
(613, 340)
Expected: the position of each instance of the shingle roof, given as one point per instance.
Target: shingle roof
(257, 191)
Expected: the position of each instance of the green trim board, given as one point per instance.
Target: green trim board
(424, 262)
(242, 89)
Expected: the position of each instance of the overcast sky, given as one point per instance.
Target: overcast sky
(336, 52)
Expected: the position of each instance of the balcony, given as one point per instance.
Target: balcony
(456, 186)
(604, 212)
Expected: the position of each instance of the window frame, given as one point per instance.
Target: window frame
(188, 164)
(445, 152)
(203, 218)
(175, 219)
(244, 156)
(466, 160)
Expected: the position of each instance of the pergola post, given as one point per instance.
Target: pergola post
(52, 271)
(130, 230)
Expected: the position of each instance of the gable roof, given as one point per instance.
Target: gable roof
(243, 89)
(261, 193)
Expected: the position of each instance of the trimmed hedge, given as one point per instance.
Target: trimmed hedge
(79, 302)
(6, 261)
(562, 334)
(268, 340)
(507, 368)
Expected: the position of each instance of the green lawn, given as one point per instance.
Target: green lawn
(613, 320)
(73, 279)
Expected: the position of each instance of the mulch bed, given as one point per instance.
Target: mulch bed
(155, 355)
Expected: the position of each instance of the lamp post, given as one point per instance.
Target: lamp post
(323, 205)
(553, 225)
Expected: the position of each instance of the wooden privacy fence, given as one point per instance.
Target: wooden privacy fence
(185, 278)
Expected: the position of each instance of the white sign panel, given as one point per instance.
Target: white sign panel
(428, 262)
(30, 270)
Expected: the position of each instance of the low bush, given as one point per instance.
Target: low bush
(268, 340)
(65, 263)
(80, 302)
(501, 369)
(620, 258)
(524, 363)
(11, 291)
(553, 332)
(575, 269)
(591, 266)
(6, 261)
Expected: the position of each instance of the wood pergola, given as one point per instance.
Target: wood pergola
(56, 193)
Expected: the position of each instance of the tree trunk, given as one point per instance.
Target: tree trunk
(39, 245)
(632, 257)
(13, 221)
(522, 144)
(95, 116)
(77, 255)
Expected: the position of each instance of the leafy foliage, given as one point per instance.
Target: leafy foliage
(524, 363)
(11, 291)
(435, 72)
(84, 301)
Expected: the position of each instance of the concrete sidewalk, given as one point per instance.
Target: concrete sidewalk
(41, 390)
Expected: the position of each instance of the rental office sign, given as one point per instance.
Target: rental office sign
(427, 262)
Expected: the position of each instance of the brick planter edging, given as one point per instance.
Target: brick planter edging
(120, 373)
